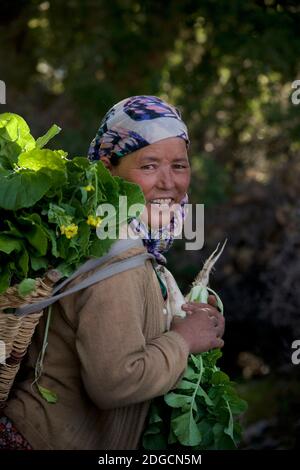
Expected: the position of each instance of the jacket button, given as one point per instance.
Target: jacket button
(165, 311)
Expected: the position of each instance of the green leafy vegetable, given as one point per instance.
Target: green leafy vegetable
(201, 412)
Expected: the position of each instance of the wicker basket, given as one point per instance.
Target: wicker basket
(16, 331)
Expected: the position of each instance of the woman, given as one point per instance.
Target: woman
(111, 348)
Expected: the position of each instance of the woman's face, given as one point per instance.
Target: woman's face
(163, 172)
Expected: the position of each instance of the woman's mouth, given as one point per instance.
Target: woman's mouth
(162, 203)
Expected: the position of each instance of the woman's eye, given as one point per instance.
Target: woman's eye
(148, 167)
(179, 166)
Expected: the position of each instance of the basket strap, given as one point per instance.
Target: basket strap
(117, 248)
(117, 267)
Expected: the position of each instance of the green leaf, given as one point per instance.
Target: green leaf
(99, 247)
(37, 159)
(26, 287)
(186, 430)
(190, 373)
(48, 395)
(202, 393)
(52, 237)
(21, 190)
(220, 378)
(176, 400)
(38, 263)
(13, 230)
(211, 357)
(9, 244)
(206, 430)
(237, 404)
(229, 428)
(185, 384)
(34, 233)
(196, 361)
(15, 136)
(52, 132)
(222, 441)
(23, 262)
(5, 276)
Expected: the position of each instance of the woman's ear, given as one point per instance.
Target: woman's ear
(107, 163)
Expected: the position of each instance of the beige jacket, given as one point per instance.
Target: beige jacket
(109, 353)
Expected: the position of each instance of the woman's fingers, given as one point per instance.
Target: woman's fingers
(197, 306)
(212, 301)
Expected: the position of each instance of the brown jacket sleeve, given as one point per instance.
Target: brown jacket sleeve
(120, 364)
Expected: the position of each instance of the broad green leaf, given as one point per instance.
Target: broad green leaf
(202, 393)
(185, 384)
(196, 361)
(190, 373)
(48, 395)
(176, 400)
(26, 287)
(37, 159)
(52, 132)
(58, 215)
(9, 244)
(22, 190)
(186, 430)
(13, 128)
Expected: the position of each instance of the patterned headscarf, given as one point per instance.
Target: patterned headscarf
(132, 124)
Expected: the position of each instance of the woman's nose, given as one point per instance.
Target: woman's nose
(165, 179)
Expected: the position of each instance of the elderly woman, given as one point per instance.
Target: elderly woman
(111, 348)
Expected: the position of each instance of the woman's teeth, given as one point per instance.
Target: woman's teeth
(162, 202)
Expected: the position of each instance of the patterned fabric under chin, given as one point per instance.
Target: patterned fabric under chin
(10, 438)
(160, 240)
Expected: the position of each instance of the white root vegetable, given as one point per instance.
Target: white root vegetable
(200, 290)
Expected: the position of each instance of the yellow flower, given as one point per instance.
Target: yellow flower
(94, 221)
(69, 231)
(89, 187)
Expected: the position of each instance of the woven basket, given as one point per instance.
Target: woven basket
(16, 332)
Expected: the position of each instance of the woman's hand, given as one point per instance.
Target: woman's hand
(203, 326)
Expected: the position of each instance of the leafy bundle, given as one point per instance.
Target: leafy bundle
(200, 412)
(48, 206)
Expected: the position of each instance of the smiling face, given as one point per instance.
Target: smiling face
(163, 172)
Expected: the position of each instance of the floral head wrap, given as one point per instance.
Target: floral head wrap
(130, 125)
